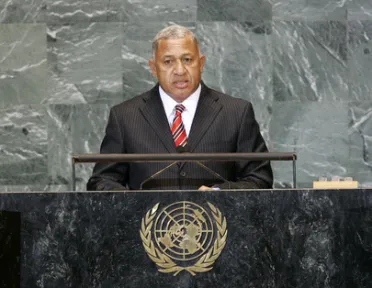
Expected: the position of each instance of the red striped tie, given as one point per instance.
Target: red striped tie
(178, 129)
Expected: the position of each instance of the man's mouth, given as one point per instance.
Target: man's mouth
(181, 84)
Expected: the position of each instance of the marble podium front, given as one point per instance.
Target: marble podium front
(10, 228)
(276, 238)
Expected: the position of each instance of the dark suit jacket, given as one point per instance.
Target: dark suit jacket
(221, 124)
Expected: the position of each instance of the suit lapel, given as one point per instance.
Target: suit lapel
(207, 110)
(153, 112)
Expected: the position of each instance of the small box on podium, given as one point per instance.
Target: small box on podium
(335, 183)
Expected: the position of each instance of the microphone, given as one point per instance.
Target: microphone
(156, 174)
(179, 149)
(182, 149)
(185, 149)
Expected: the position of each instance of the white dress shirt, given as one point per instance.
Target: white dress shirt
(190, 104)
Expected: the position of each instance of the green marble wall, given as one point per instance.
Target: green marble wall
(305, 66)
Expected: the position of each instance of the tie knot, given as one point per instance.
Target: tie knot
(180, 108)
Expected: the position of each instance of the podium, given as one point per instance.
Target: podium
(10, 228)
(274, 238)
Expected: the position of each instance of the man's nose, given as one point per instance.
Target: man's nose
(179, 69)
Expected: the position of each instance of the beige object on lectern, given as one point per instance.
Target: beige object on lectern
(335, 184)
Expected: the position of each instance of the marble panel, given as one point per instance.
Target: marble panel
(228, 10)
(317, 132)
(310, 61)
(75, 11)
(275, 238)
(360, 138)
(19, 11)
(359, 10)
(360, 60)
(59, 143)
(23, 64)
(23, 145)
(314, 10)
(88, 128)
(84, 63)
(238, 59)
(143, 11)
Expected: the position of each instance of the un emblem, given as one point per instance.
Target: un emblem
(184, 236)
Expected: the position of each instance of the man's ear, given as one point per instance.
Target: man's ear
(153, 68)
(202, 63)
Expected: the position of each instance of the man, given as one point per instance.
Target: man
(181, 111)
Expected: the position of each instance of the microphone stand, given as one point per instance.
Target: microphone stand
(156, 174)
(184, 149)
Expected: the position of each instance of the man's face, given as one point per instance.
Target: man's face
(178, 67)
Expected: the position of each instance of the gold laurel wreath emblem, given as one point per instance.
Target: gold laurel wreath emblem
(166, 264)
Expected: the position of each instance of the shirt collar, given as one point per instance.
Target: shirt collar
(169, 103)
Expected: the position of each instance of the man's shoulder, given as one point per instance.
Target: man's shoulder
(228, 100)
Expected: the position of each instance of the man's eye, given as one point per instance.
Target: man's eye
(168, 62)
(187, 60)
